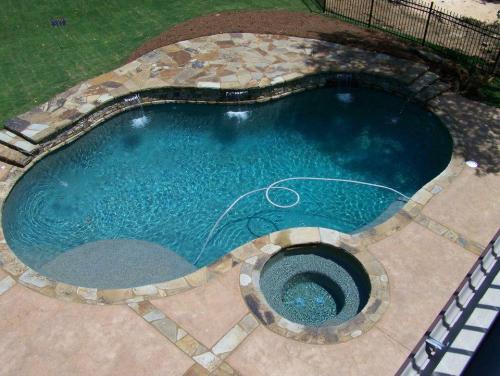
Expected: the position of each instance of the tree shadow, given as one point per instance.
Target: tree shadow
(314, 6)
(474, 126)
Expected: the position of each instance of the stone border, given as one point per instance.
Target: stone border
(406, 84)
(280, 241)
(246, 95)
(6, 284)
(206, 360)
(34, 280)
(235, 61)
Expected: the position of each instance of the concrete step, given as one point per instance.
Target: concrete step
(423, 81)
(14, 157)
(432, 91)
(13, 141)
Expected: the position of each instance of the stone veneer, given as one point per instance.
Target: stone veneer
(223, 68)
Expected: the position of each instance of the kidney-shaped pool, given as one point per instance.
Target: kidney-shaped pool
(133, 201)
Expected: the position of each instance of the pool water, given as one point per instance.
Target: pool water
(315, 285)
(308, 297)
(165, 175)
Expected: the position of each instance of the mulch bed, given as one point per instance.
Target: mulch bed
(306, 25)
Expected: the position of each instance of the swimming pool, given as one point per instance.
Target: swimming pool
(167, 177)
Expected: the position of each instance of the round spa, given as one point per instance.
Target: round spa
(315, 291)
(315, 285)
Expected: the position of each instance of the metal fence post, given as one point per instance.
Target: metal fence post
(427, 23)
(371, 14)
(497, 63)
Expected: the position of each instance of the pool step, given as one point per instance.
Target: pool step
(423, 82)
(432, 91)
(13, 157)
(20, 144)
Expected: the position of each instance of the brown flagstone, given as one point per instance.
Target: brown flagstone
(180, 57)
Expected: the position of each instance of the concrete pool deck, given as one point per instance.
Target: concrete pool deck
(43, 335)
(208, 327)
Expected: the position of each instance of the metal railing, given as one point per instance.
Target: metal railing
(464, 39)
(436, 339)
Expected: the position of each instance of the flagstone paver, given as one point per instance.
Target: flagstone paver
(45, 336)
(10, 139)
(423, 81)
(201, 311)
(219, 61)
(12, 156)
(6, 283)
(471, 205)
(5, 169)
(449, 234)
(208, 361)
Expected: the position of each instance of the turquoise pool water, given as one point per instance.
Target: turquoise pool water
(315, 285)
(167, 180)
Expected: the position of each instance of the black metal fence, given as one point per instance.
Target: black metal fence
(477, 281)
(465, 39)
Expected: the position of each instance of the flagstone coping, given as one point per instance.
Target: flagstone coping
(230, 61)
(297, 64)
(329, 334)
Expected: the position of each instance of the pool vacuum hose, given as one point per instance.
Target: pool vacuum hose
(276, 186)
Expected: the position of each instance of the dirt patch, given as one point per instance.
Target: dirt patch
(483, 10)
(305, 25)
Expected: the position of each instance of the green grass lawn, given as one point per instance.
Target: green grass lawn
(490, 92)
(38, 61)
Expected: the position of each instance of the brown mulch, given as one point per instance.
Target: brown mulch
(306, 25)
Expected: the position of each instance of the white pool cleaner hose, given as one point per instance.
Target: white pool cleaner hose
(276, 185)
